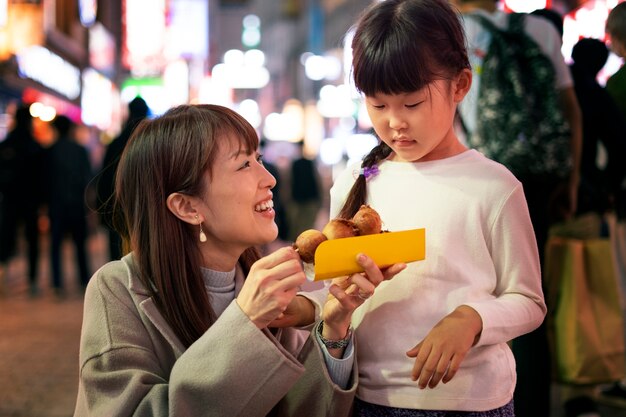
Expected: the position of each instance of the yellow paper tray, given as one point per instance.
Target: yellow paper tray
(337, 257)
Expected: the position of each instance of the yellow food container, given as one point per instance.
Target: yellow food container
(337, 257)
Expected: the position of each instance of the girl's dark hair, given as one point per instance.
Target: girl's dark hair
(401, 46)
(166, 155)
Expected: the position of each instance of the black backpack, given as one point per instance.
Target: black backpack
(519, 121)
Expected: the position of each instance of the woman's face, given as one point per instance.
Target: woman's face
(237, 203)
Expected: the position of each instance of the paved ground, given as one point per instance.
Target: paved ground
(39, 343)
(39, 339)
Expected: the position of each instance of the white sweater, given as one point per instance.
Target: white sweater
(480, 251)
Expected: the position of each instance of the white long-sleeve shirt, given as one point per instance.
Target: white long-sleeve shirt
(480, 251)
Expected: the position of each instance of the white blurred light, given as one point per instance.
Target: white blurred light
(254, 58)
(49, 69)
(525, 6)
(249, 109)
(242, 70)
(363, 119)
(251, 34)
(241, 76)
(96, 100)
(279, 126)
(233, 57)
(215, 93)
(335, 101)
(331, 151)
(359, 145)
(314, 67)
(333, 68)
(251, 37)
(47, 114)
(251, 21)
(35, 109)
(304, 57)
(347, 123)
(318, 67)
(176, 82)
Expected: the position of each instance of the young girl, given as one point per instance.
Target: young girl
(433, 341)
(179, 326)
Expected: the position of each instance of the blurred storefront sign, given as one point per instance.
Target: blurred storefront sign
(98, 100)
(102, 49)
(50, 70)
(144, 36)
(22, 27)
(87, 11)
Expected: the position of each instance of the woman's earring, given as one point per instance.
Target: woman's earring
(202, 234)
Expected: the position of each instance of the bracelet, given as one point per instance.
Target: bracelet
(333, 344)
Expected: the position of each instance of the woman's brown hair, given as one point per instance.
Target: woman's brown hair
(163, 156)
(401, 46)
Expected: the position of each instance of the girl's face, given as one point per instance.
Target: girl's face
(237, 204)
(418, 126)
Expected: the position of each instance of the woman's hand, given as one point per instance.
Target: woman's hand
(346, 294)
(271, 285)
(439, 356)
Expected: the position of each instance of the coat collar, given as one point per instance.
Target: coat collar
(146, 304)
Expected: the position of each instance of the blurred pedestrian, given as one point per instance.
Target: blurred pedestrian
(603, 125)
(600, 183)
(21, 194)
(68, 172)
(616, 29)
(137, 111)
(616, 86)
(552, 16)
(279, 204)
(306, 198)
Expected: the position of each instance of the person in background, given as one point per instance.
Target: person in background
(616, 86)
(533, 389)
(21, 194)
(616, 29)
(551, 16)
(183, 325)
(279, 204)
(137, 111)
(601, 179)
(603, 124)
(306, 197)
(68, 172)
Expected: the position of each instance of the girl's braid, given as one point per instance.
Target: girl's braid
(358, 193)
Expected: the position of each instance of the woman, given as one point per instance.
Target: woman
(179, 326)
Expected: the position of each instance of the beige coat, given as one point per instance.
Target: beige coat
(132, 363)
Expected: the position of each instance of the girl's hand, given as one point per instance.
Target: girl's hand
(346, 294)
(271, 285)
(439, 356)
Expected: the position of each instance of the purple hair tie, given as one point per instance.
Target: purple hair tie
(368, 172)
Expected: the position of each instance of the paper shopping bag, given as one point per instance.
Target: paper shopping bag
(585, 323)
